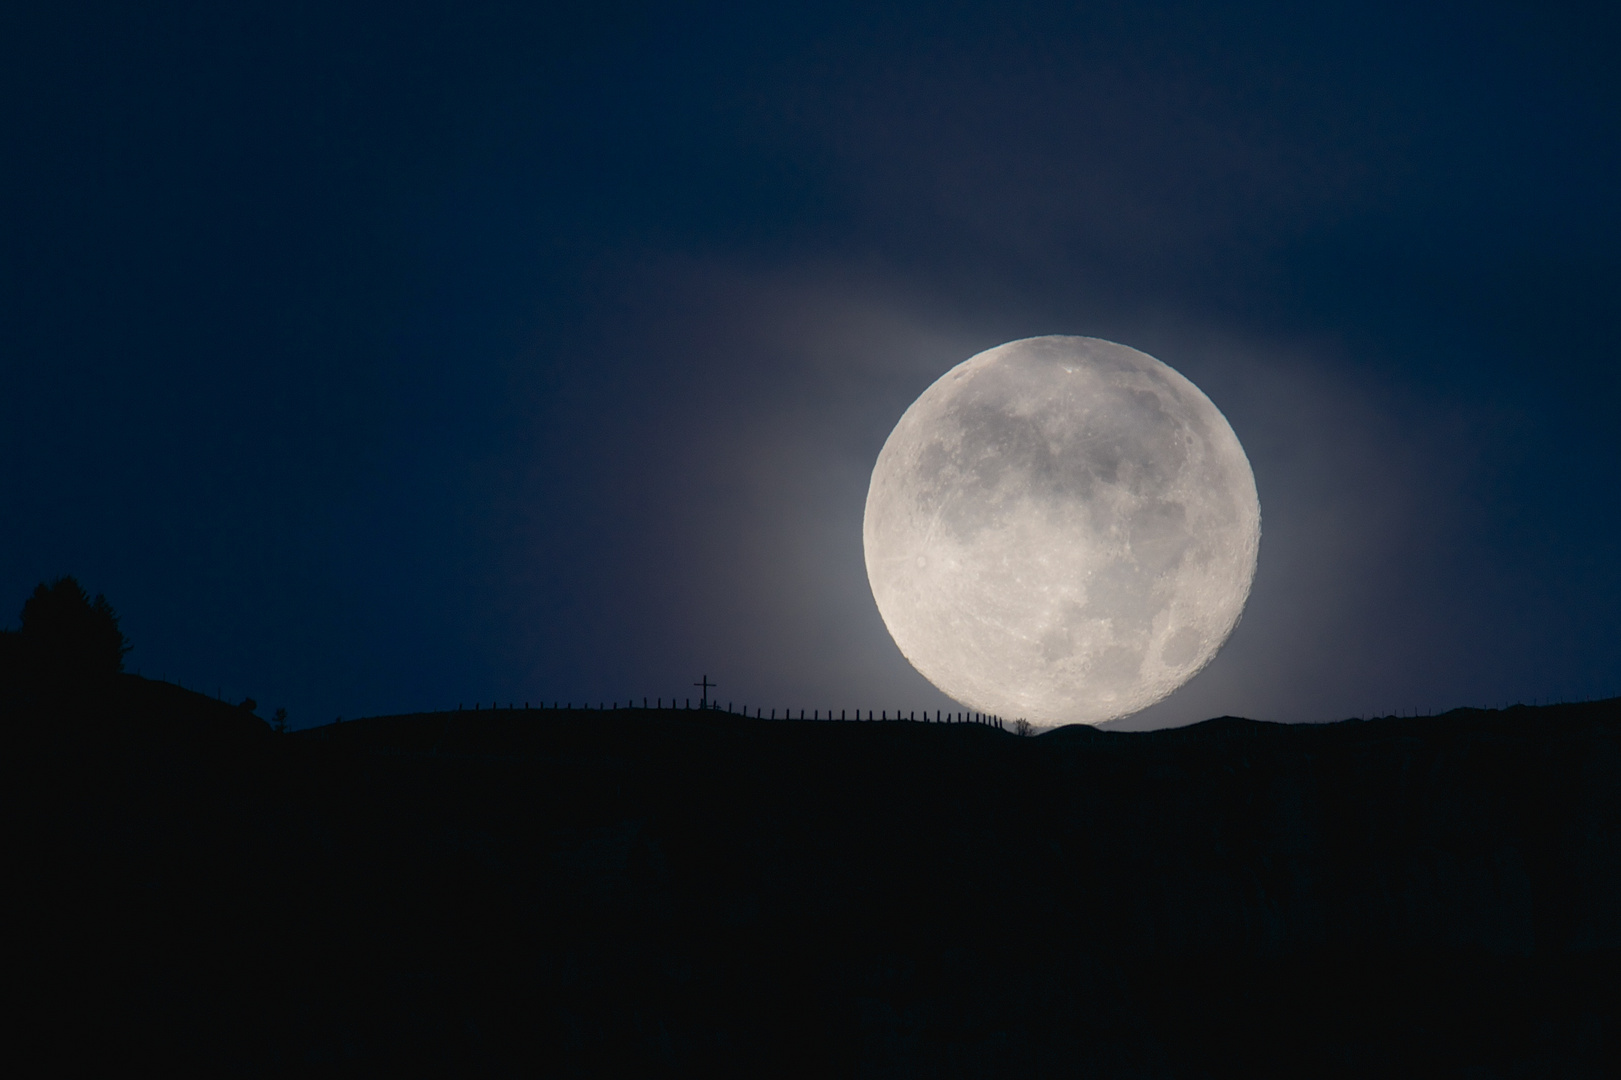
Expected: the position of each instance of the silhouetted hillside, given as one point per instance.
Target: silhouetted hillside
(649, 893)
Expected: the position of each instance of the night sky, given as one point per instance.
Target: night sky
(383, 359)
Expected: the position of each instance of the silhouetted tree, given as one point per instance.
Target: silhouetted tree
(280, 720)
(68, 638)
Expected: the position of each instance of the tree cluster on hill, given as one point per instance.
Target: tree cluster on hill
(67, 641)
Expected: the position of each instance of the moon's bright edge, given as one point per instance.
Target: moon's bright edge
(1061, 529)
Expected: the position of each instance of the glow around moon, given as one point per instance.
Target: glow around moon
(1061, 529)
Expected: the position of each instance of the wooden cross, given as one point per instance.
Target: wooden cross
(705, 686)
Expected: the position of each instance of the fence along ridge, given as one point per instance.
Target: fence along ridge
(941, 716)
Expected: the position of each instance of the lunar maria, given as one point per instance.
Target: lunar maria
(1061, 529)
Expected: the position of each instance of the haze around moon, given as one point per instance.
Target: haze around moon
(1061, 529)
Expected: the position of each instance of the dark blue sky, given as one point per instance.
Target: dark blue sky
(381, 359)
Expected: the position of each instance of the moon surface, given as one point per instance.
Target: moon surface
(1061, 529)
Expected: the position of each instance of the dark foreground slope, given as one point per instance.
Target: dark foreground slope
(643, 893)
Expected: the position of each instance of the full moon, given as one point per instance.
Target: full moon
(1061, 529)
